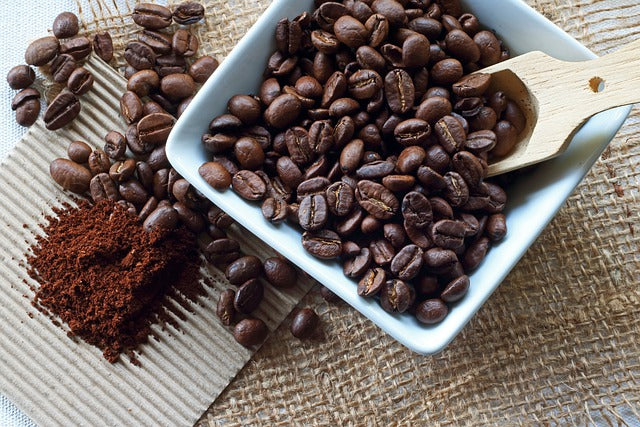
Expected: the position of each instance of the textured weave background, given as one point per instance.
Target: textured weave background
(558, 343)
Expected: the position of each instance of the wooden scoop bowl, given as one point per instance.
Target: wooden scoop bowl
(557, 97)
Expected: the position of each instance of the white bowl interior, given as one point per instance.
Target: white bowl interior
(533, 199)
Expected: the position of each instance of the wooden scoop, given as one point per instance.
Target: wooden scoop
(557, 97)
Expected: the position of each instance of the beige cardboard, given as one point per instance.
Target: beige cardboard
(59, 381)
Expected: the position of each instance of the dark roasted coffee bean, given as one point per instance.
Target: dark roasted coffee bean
(249, 153)
(446, 71)
(433, 109)
(143, 82)
(399, 90)
(450, 133)
(132, 191)
(304, 323)
(183, 191)
(78, 48)
(431, 311)
(472, 85)
(461, 46)
(407, 263)
(427, 286)
(288, 172)
(340, 198)
(313, 212)
(280, 272)
(469, 167)
(145, 211)
(202, 68)
(245, 268)
(215, 175)
(364, 84)
(351, 222)
(155, 128)
(415, 51)
(489, 46)
(222, 251)
(372, 282)
(455, 289)
(184, 43)
(429, 27)
(412, 132)
(498, 102)
(506, 138)
(274, 210)
(70, 175)
(282, 111)
(497, 198)
(103, 188)
(21, 77)
(448, 234)
(41, 51)
(370, 225)
(225, 310)
(496, 227)
(134, 143)
(65, 25)
(79, 151)
(98, 162)
(481, 141)
(376, 199)
(328, 13)
(188, 12)
(378, 27)
(410, 159)
(312, 186)
(80, 81)
(62, 110)
(225, 123)
(514, 115)
(121, 171)
(392, 10)
(245, 108)
(351, 156)
(248, 185)
(322, 244)
(248, 296)
(396, 296)
(418, 236)
(170, 64)
(395, 234)
(475, 253)
(139, 55)
(151, 16)
(324, 41)
(131, 107)
(356, 266)
(375, 170)
(343, 107)
(309, 87)
(177, 86)
(103, 46)
(249, 332)
(218, 217)
(350, 31)
(416, 210)
(26, 104)
(189, 217)
(382, 251)
(456, 191)
(439, 261)
(269, 91)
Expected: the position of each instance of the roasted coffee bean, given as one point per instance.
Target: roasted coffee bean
(269, 91)
(183, 191)
(282, 111)
(121, 171)
(456, 191)
(481, 141)
(164, 217)
(139, 56)
(225, 310)
(188, 12)
(280, 272)
(514, 115)
(309, 87)
(461, 46)
(448, 234)
(472, 85)
(248, 296)
(177, 86)
(132, 191)
(80, 81)
(431, 179)
(350, 31)
(222, 251)
(469, 168)
(274, 210)
(415, 51)
(372, 282)
(183, 106)
(41, 51)
(103, 46)
(133, 141)
(497, 198)
(376, 199)
(143, 82)
(98, 162)
(340, 198)
(375, 170)
(416, 210)
(145, 211)
(21, 77)
(489, 46)
(324, 244)
(249, 332)
(433, 109)
(249, 153)
(215, 175)
(65, 25)
(410, 159)
(412, 132)
(245, 268)
(392, 10)
(324, 41)
(313, 212)
(249, 185)
(357, 265)
(225, 123)
(351, 156)
(446, 71)
(190, 218)
(396, 296)
(455, 289)
(328, 13)
(288, 172)
(382, 252)
(351, 222)
(475, 253)
(399, 91)
(62, 110)
(370, 225)
(439, 261)
(429, 27)
(407, 263)
(395, 234)
(431, 311)
(70, 175)
(103, 188)
(506, 138)
(26, 104)
(77, 47)
(304, 323)
(170, 64)
(184, 43)
(155, 128)
(131, 107)
(312, 186)
(450, 133)
(496, 227)
(343, 107)
(151, 16)
(79, 151)
(161, 43)
(364, 84)
(245, 108)
(498, 102)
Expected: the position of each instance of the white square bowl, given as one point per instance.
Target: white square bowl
(533, 199)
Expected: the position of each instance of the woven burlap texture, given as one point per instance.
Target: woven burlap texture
(557, 344)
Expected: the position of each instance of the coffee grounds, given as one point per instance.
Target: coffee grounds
(107, 278)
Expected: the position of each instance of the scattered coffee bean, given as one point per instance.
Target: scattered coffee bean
(103, 46)
(65, 25)
(70, 175)
(26, 104)
(215, 175)
(151, 16)
(188, 13)
(250, 331)
(280, 272)
(77, 47)
(41, 51)
(202, 68)
(304, 323)
(243, 269)
(225, 308)
(62, 110)
(248, 296)
(21, 77)
(80, 81)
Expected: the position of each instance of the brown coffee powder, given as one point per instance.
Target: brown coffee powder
(105, 277)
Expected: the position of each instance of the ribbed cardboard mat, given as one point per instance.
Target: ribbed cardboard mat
(59, 381)
(557, 344)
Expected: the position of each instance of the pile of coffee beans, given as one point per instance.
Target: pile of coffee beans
(60, 58)
(372, 132)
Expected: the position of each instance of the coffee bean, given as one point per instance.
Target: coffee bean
(248, 296)
(188, 12)
(243, 269)
(77, 47)
(222, 251)
(41, 51)
(177, 86)
(274, 210)
(139, 55)
(340, 198)
(65, 25)
(184, 43)
(245, 108)
(461, 46)
(131, 107)
(102, 187)
(376, 199)
(399, 90)
(475, 253)
(469, 168)
(407, 263)
(416, 210)
(304, 323)
(132, 191)
(364, 84)
(412, 132)
(396, 296)
(62, 110)
(514, 115)
(249, 332)
(456, 191)
(328, 13)
(506, 138)
(98, 162)
(343, 107)
(415, 51)
(496, 227)
(21, 77)
(26, 104)
(448, 234)
(325, 41)
(356, 266)
(431, 311)
(80, 81)
(79, 151)
(382, 252)
(280, 272)
(145, 211)
(324, 244)
(481, 141)
(62, 67)
(225, 310)
(282, 111)
(438, 260)
(489, 46)
(313, 212)
(455, 289)
(143, 82)
(215, 175)
(350, 31)
(249, 185)
(151, 16)
(288, 172)
(155, 128)
(123, 170)
(70, 175)
(103, 46)
(372, 282)
(446, 71)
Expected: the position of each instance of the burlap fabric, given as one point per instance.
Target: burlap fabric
(556, 344)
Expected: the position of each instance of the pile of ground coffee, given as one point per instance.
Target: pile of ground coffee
(107, 278)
